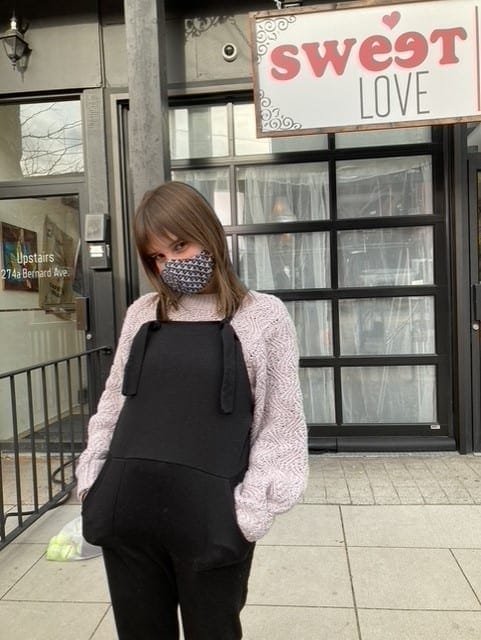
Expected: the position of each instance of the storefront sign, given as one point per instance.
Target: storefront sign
(366, 66)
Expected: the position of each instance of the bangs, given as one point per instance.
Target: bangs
(156, 223)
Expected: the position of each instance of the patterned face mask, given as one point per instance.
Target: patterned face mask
(189, 275)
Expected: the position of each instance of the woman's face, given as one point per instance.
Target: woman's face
(170, 247)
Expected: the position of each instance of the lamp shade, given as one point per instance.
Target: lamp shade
(15, 44)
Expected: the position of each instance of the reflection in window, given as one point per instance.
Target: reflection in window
(213, 184)
(283, 193)
(40, 139)
(397, 394)
(247, 142)
(384, 187)
(318, 393)
(385, 257)
(41, 241)
(313, 321)
(198, 132)
(381, 326)
(285, 261)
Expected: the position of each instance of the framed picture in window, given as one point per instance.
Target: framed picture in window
(19, 270)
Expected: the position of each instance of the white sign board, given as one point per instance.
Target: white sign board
(366, 66)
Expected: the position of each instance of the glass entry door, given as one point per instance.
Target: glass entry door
(40, 279)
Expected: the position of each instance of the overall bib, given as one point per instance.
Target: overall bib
(162, 506)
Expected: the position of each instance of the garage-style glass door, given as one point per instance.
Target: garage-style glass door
(349, 230)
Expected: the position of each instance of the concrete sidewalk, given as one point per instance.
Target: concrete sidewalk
(384, 547)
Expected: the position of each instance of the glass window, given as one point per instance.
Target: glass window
(198, 132)
(317, 386)
(474, 137)
(40, 278)
(381, 326)
(40, 139)
(285, 260)
(385, 257)
(384, 187)
(397, 394)
(213, 184)
(383, 137)
(247, 143)
(283, 193)
(313, 320)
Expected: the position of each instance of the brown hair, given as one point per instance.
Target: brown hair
(178, 209)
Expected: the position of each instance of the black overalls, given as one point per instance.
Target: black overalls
(162, 506)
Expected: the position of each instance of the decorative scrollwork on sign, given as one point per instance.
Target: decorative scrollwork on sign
(267, 32)
(271, 119)
(194, 27)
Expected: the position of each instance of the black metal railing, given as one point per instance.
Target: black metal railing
(45, 410)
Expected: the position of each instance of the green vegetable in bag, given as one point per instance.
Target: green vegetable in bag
(69, 544)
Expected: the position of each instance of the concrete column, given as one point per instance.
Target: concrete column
(148, 103)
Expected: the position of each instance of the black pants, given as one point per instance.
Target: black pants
(147, 586)
(170, 538)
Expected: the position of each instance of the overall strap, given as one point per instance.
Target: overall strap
(136, 357)
(227, 390)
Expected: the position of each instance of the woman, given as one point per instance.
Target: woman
(199, 439)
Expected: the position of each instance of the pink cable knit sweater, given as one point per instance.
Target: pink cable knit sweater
(277, 472)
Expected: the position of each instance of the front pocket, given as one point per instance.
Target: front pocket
(99, 503)
(226, 544)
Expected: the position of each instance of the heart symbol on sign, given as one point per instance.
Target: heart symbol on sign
(392, 19)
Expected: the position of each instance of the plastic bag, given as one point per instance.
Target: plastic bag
(69, 544)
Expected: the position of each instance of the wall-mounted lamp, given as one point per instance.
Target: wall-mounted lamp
(16, 47)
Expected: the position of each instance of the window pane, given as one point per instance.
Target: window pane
(387, 326)
(246, 142)
(384, 187)
(313, 320)
(285, 261)
(40, 279)
(474, 137)
(198, 132)
(213, 184)
(40, 139)
(385, 257)
(383, 137)
(318, 392)
(403, 394)
(283, 193)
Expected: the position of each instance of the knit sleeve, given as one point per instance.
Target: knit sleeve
(278, 465)
(102, 423)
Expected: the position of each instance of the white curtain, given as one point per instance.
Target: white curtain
(394, 394)
(384, 326)
(290, 260)
(388, 326)
(384, 187)
(289, 193)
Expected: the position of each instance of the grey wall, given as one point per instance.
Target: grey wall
(86, 48)
(65, 51)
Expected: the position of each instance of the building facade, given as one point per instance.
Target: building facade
(372, 238)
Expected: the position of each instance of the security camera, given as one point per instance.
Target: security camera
(229, 52)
